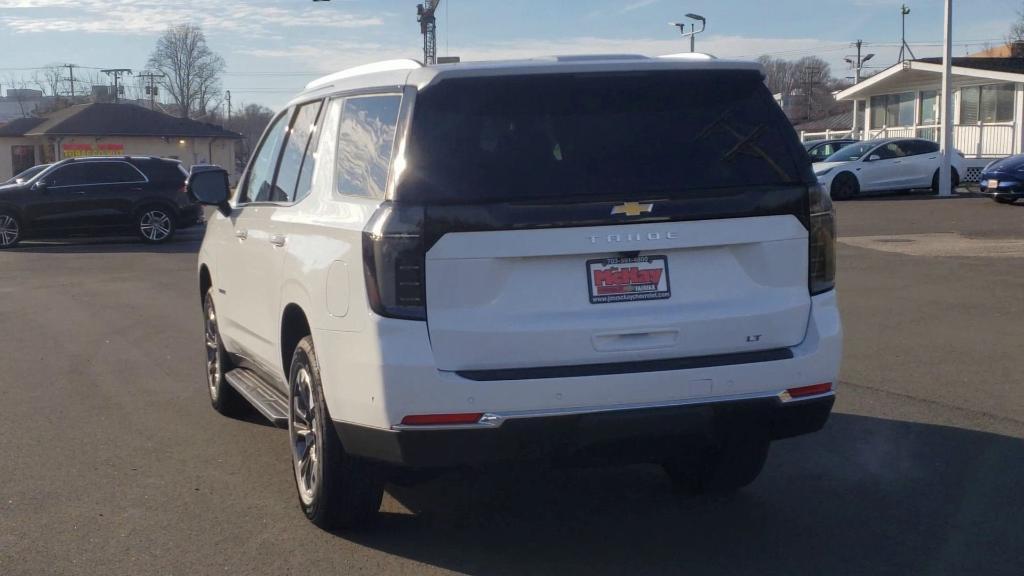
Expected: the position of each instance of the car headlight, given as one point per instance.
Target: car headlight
(822, 172)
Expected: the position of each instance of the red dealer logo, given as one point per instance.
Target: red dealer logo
(623, 280)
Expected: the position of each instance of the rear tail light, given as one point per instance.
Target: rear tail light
(822, 241)
(441, 419)
(393, 262)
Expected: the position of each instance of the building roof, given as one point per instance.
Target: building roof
(841, 121)
(1000, 64)
(19, 126)
(108, 119)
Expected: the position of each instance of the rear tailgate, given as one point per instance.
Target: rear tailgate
(558, 297)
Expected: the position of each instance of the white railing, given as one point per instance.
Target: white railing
(974, 140)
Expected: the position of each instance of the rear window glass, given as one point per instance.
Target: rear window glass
(615, 135)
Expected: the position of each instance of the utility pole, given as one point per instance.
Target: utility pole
(227, 95)
(116, 73)
(904, 47)
(946, 138)
(151, 89)
(810, 78)
(70, 78)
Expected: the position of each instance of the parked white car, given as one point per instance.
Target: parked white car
(885, 164)
(603, 256)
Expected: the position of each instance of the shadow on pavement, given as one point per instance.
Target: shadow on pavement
(912, 195)
(864, 496)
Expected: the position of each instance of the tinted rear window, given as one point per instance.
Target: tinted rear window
(590, 136)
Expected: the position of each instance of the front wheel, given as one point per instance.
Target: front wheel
(155, 225)
(224, 398)
(1004, 200)
(336, 490)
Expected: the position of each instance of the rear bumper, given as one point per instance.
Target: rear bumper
(640, 434)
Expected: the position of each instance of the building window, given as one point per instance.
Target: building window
(22, 158)
(892, 110)
(989, 103)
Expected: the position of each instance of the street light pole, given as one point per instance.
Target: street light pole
(692, 33)
(946, 139)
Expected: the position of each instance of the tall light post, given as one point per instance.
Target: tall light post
(692, 33)
(946, 139)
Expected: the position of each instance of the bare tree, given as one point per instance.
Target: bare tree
(192, 71)
(1015, 37)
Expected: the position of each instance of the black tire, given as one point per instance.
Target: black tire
(335, 490)
(10, 230)
(155, 224)
(844, 186)
(954, 180)
(1004, 200)
(727, 466)
(224, 398)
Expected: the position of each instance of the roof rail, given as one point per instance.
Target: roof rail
(597, 57)
(384, 66)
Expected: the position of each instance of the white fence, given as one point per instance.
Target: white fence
(974, 140)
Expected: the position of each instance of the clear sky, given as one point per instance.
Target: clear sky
(273, 47)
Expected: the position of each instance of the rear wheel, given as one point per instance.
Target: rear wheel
(10, 230)
(734, 462)
(155, 224)
(844, 186)
(336, 490)
(954, 180)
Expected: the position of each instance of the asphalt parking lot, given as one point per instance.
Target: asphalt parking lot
(113, 462)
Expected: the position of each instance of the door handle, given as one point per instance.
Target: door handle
(79, 192)
(278, 240)
(241, 234)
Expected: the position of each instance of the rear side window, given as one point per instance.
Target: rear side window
(636, 135)
(365, 140)
(114, 172)
(259, 181)
(293, 175)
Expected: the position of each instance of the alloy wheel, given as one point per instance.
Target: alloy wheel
(214, 368)
(302, 430)
(155, 225)
(9, 230)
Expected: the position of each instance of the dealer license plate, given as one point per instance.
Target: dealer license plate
(628, 279)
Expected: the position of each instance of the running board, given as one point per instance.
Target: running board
(264, 397)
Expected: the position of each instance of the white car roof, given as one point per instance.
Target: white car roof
(397, 73)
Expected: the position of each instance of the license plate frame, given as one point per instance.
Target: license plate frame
(992, 183)
(628, 279)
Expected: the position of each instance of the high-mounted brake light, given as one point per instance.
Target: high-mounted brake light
(812, 390)
(441, 419)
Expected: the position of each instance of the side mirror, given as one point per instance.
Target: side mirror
(874, 157)
(209, 185)
(41, 186)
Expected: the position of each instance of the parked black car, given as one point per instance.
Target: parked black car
(1003, 180)
(99, 195)
(818, 150)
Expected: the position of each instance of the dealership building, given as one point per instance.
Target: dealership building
(108, 129)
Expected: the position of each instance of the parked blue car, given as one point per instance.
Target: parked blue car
(1003, 180)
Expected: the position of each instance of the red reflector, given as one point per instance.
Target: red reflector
(810, 390)
(435, 419)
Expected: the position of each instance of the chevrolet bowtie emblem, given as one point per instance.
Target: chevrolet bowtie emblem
(632, 209)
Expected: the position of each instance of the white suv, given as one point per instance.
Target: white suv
(603, 257)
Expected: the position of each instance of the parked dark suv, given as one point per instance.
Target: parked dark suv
(99, 195)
